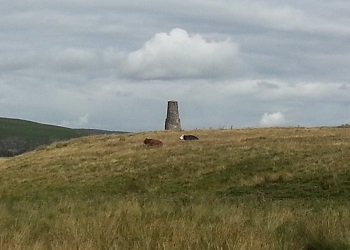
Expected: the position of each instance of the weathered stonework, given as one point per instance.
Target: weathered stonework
(172, 121)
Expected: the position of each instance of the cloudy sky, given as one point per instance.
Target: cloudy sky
(115, 64)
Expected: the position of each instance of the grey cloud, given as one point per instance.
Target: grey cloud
(344, 87)
(269, 85)
(114, 64)
(73, 58)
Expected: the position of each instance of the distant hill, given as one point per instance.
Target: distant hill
(18, 136)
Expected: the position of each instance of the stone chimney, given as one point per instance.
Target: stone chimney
(172, 121)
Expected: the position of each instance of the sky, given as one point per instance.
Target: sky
(114, 65)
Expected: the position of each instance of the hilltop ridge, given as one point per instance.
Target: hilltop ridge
(265, 188)
(227, 161)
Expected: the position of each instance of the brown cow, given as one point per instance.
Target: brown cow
(153, 142)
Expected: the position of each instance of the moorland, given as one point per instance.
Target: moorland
(251, 188)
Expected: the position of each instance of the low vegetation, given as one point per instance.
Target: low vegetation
(266, 188)
(20, 136)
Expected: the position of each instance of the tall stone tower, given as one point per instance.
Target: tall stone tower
(172, 121)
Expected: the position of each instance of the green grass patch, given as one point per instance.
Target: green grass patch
(280, 188)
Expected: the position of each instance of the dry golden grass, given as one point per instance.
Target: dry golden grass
(129, 224)
(266, 188)
(2, 159)
(246, 157)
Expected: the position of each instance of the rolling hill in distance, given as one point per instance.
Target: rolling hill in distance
(18, 136)
(252, 188)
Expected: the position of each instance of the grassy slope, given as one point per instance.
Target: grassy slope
(274, 163)
(18, 136)
(286, 172)
(33, 130)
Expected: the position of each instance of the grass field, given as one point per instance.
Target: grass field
(266, 188)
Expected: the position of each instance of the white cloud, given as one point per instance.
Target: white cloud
(273, 119)
(63, 60)
(181, 55)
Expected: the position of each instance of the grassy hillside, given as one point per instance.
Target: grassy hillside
(19, 136)
(273, 188)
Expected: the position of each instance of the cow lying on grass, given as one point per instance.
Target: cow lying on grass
(188, 137)
(152, 142)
